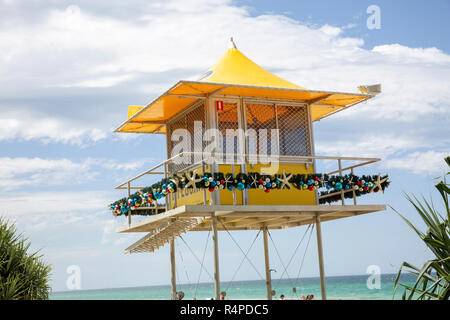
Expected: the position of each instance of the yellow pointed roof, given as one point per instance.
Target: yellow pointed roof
(233, 75)
(235, 68)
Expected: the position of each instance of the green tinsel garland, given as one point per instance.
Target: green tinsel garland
(218, 181)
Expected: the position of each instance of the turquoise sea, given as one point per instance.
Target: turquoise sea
(342, 287)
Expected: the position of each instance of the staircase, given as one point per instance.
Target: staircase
(163, 234)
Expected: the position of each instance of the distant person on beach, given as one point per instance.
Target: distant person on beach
(282, 297)
(303, 297)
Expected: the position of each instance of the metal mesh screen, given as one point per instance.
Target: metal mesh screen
(194, 119)
(292, 137)
(294, 131)
(228, 124)
(195, 124)
(260, 135)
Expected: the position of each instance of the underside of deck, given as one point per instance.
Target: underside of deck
(164, 227)
(248, 217)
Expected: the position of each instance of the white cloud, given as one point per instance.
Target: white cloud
(396, 152)
(369, 146)
(330, 30)
(68, 72)
(23, 172)
(32, 203)
(404, 54)
(101, 82)
(77, 47)
(47, 130)
(80, 47)
(421, 163)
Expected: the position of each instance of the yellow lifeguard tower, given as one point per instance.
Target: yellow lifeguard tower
(240, 151)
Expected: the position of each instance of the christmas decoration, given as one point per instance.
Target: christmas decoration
(332, 187)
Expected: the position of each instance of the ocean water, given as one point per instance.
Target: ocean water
(342, 287)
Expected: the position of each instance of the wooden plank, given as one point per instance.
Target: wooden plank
(285, 221)
(250, 221)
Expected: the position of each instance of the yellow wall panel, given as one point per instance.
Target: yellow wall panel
(285, 196)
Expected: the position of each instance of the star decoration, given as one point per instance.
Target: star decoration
(378, 183)
(192, 180)
(148, 195)
(350, 182)
(285, 181)
(322, 181)
(228, 180)
(254, 181)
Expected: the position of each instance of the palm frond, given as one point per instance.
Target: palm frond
(433, 279)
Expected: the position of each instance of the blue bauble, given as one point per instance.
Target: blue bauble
(205, 178)
(309, 182)
(268, 185)
(278, 182)
(240, 186)
(213, 183)
(347, 187)
(302, 183)
(338, 186)
(230, 188)
(171, 184)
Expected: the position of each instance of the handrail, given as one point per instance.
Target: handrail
(150, 171)
(207, 156)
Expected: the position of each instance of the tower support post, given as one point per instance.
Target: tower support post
(173, 270)
(320, 252)
(216, 257)
(266, 259)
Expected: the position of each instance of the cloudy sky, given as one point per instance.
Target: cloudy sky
(69, 69)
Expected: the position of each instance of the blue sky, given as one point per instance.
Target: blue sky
(69, 69)
(409, 23)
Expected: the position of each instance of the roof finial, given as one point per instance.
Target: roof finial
(232, 44)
